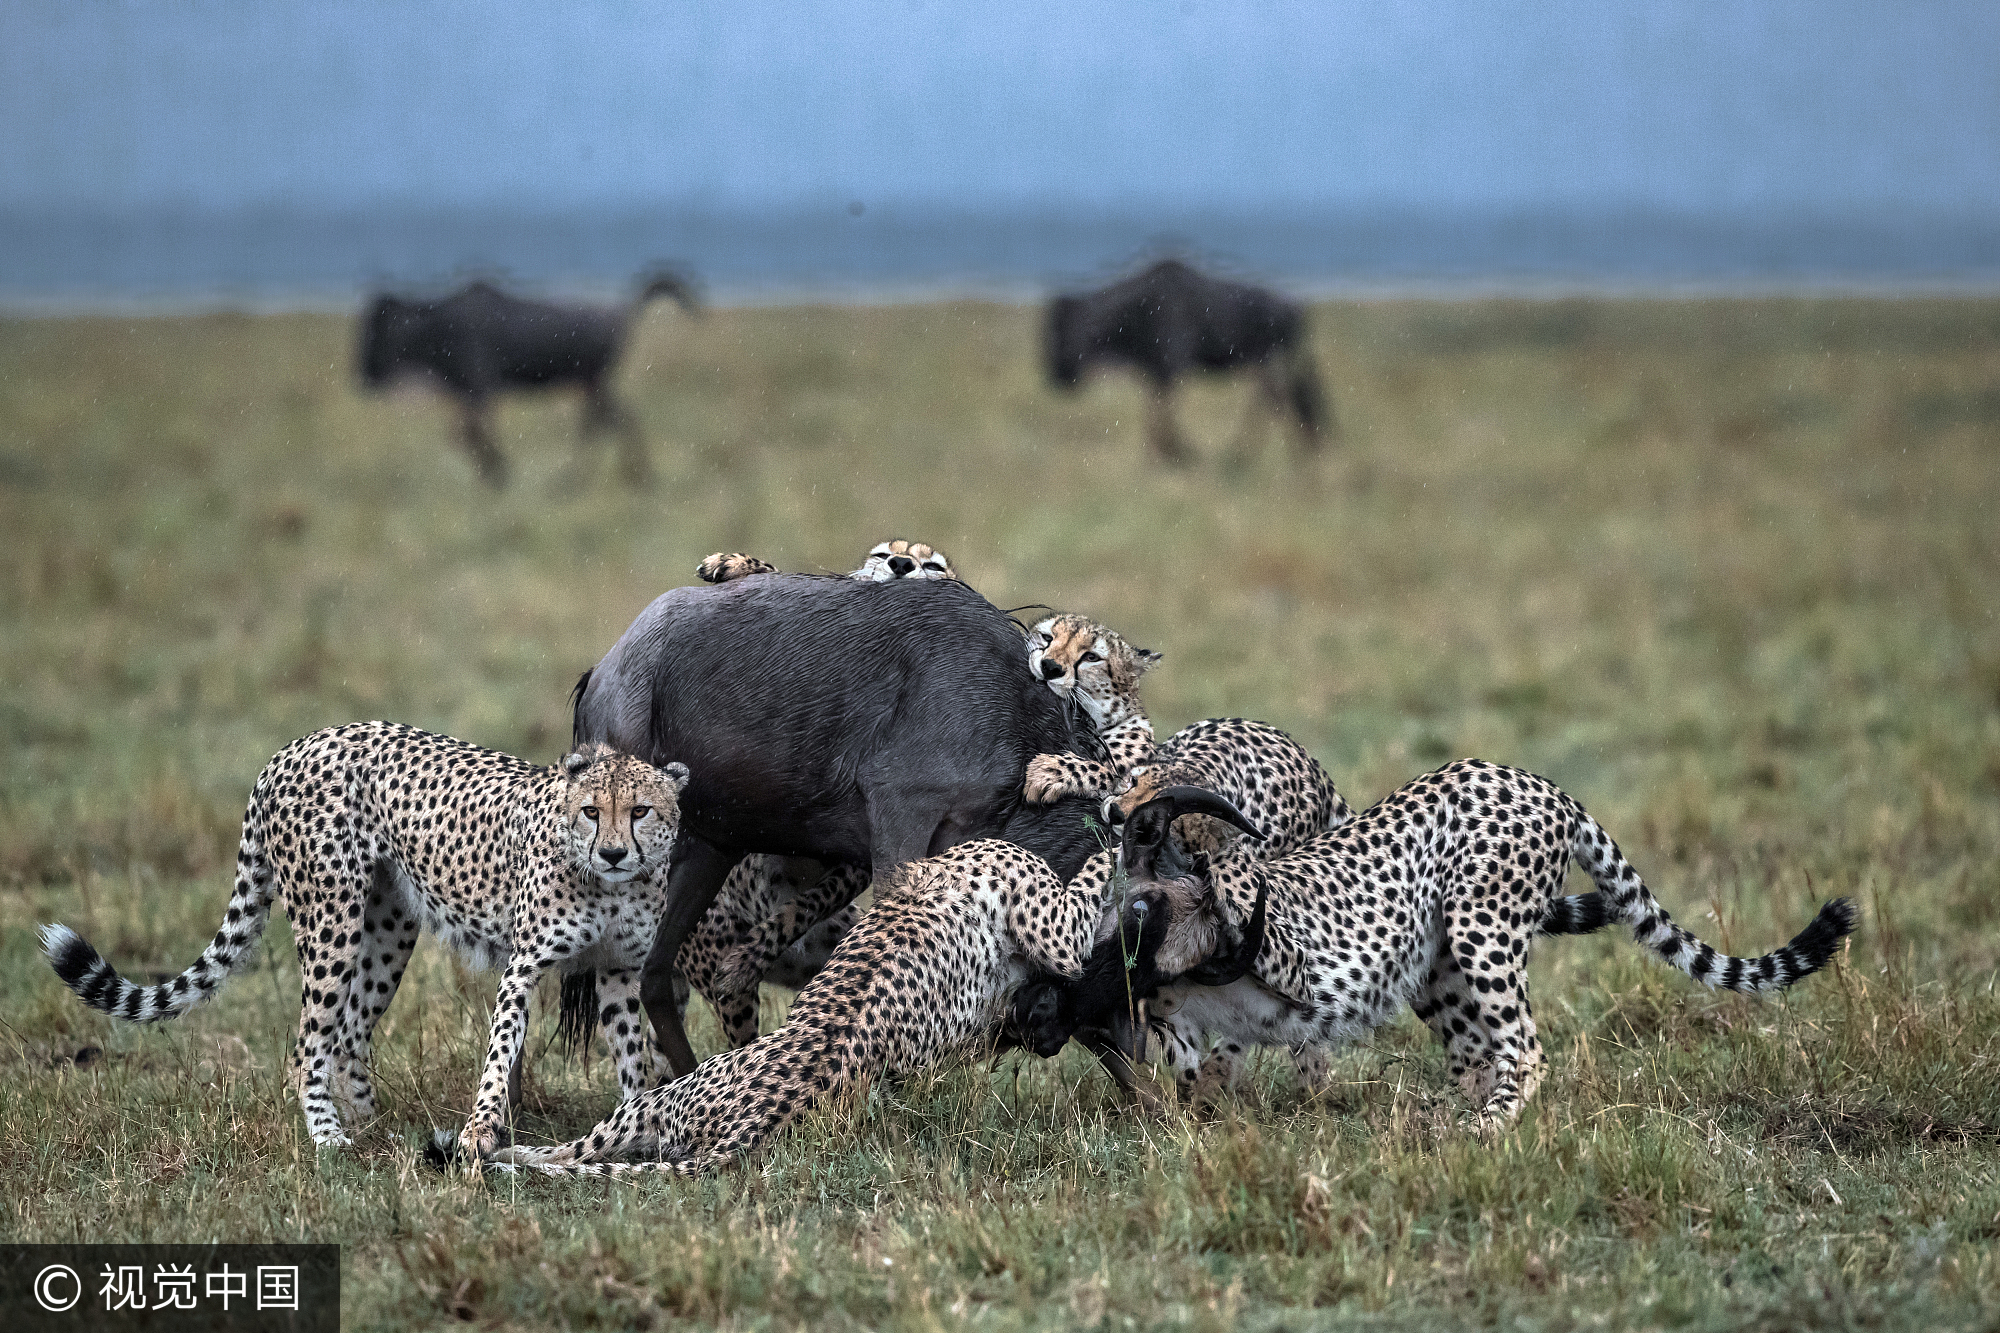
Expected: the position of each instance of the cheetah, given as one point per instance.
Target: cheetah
(926, 972)
(1275, 783)
(1094, 668)
(1429, 897)
(887, 561)
(374, 831)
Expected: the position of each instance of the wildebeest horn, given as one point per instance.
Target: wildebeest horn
(1146, 828)
(1222, 970)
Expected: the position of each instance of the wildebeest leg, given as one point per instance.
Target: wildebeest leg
(602, 411)
(475, 435)
(1267, 398)
(1311, 412)
(1160, 431)
(693, 879)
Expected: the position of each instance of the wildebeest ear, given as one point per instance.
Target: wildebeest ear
(677, 773)
(574, 764)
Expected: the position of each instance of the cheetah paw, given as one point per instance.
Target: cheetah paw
(1045, 780)
(723, 567)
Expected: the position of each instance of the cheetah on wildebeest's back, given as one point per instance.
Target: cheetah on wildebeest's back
(374, 831)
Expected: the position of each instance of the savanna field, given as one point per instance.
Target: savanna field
(1728, 571)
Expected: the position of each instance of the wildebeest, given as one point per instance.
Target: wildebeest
(853, 722)
(1170, 320)
(480, 341)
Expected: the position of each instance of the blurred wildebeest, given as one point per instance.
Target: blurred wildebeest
(1170, 320)
(480, 341)
(853, 722)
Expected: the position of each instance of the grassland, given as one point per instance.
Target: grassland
(1727, 571)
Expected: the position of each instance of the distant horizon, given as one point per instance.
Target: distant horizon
(289, 259)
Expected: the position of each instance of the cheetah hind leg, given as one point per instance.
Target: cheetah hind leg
(1490, 1041)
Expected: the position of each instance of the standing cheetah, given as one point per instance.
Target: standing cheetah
(926, 972)
(373, 831)
(1430, 897)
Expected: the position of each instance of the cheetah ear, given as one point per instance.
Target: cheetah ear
(677, 773)
(574, 764)
(1148, 659)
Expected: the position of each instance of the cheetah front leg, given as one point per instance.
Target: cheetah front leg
(1050, 777)
(510, 1025)
(618, 1012)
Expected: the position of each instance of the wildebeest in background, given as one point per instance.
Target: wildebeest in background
(1170, 320)
(853, 722)
(480, 341)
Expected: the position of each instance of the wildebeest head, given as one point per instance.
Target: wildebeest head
(385, 328)
(1169, 926)
(1063, 343)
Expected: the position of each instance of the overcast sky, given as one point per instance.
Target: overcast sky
(1821, 106)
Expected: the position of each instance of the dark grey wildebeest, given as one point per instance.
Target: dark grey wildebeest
(1170, 320)
(851, 722)
(480, 341)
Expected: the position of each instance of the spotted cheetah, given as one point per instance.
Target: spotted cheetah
(374, 831)
(1431, 896)
(926, 972)
(887, 561)
(1093, 667)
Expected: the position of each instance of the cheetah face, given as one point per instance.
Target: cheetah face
(905, 560)
(1081, 659)
(622, 813)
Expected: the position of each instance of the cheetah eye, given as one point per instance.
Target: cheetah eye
(639, 812)
(1091, 657)
(932, 564)
(590, 813)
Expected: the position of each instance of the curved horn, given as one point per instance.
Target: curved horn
(1221, 971)
(1146, 827)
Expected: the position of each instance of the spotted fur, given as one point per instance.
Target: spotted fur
(926, 972)
(374, 831)
(1093, 666)
(887, 561)
(1431, 897)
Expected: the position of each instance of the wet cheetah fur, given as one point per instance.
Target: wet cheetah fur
(926, 973)
(1092, 667)
(1432, 897)
(373, 832)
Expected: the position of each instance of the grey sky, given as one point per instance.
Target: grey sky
(1698, 108)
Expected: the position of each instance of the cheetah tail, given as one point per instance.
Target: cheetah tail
(1578, 914)
(98, 984)
(1633, 903)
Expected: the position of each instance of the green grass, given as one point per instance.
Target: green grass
(1727, 571)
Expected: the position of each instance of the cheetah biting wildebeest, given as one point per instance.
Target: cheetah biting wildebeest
(1431, 896)
(373, 831)
(926, 972)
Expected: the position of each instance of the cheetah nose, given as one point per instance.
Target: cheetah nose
(612, 855)
(1050, 670)
(900, 565)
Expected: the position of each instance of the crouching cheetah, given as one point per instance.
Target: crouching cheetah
(926, 972)
(1430, 897)
(887, 561)
(1092, 667)
(373, 831)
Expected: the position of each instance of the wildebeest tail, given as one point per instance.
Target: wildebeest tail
(576, 711)
(98, 984)
(1632, 902)
(666, 282)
